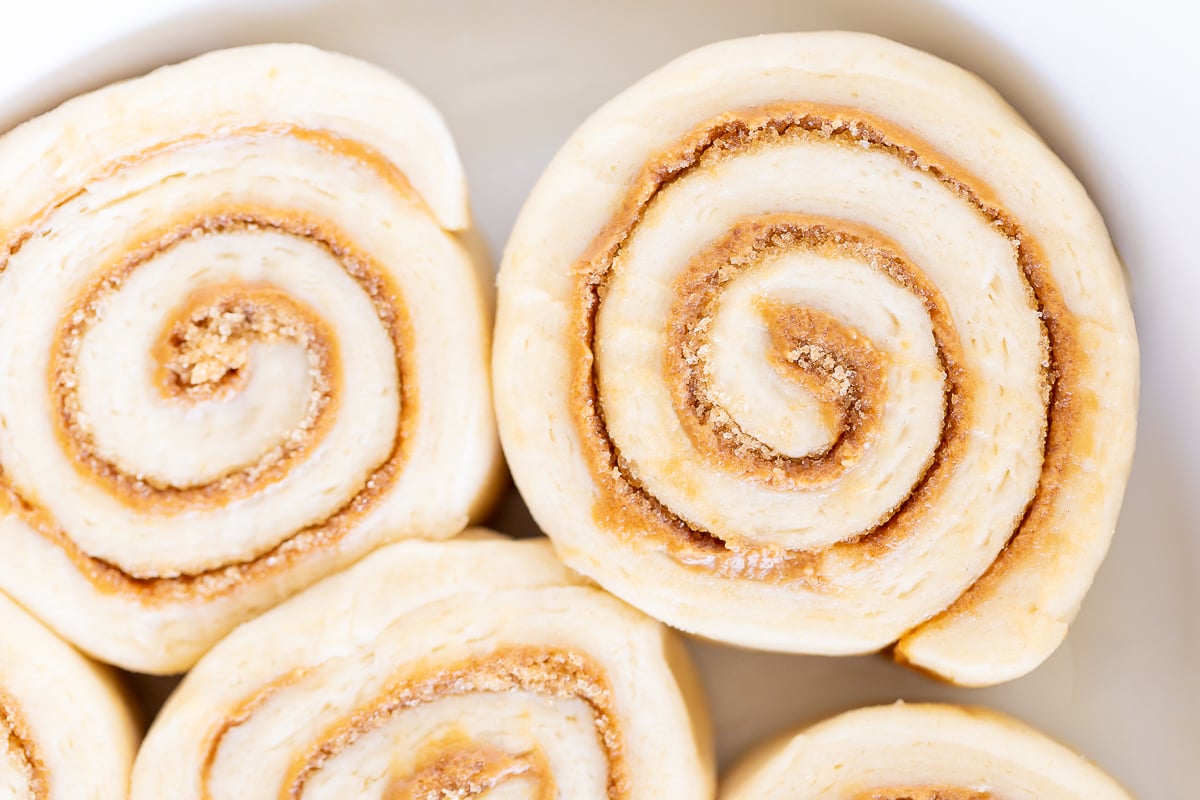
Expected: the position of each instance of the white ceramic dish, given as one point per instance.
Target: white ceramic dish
(1110, 85)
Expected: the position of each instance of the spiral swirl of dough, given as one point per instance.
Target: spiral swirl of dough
(806, 343)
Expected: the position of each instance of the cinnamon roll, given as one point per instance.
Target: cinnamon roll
(243, 344)
(918, 752)
(807, 343)
(66, 730)
(431, 670)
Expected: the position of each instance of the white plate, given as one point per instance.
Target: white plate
(1110, 85)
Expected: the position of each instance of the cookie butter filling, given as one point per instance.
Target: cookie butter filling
(813, 348)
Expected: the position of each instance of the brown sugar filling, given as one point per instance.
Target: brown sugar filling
(456, 767)
(16, 738)
(627, 509)
(544, 671)
(924, 793)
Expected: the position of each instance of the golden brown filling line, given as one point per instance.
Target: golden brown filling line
(16, 737)
(202, 353)
(457, 767)
(140, 493)
(925, 793)
(549, 672)
(631, 512)
(239, 715)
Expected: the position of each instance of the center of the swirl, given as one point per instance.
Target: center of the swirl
(832, 361)
(206, 347)
(827, 358)
(204, 350)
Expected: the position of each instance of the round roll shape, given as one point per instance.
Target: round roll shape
(66, 730)
(437, 669)
(807, 343)
(243, 342)
(918, 752)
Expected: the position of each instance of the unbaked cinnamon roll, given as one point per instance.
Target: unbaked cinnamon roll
(434, 670)
(242, 345)
(918, 752)
(808, 343)
(66, 730)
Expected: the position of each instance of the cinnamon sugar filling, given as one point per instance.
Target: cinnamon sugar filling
(456, 767)
(138, 492)
(283, 317)
(203, 354)
(832, 360)
(627, 509)
(204, 350)
(16, 739)
(459, 768)
(925, 793)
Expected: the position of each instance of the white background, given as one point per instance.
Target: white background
(1114, 87)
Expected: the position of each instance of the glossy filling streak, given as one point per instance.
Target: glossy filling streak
(18, 753)
(202, 354)
(457, 766)
(828, 357)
